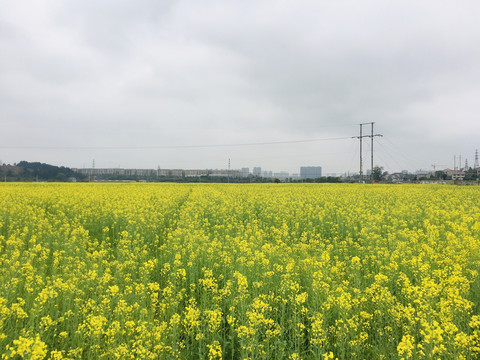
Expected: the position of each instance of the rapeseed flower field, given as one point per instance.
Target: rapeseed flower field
(223, 271)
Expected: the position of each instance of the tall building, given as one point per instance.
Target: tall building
(310, 172)
(257, 171)
(245, 172)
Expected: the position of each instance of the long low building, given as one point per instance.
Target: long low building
(158, 172)
(310, 172)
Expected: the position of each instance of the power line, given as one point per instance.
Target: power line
(171, 146)
(385, 163)
(354, 155)
(403, 153)
(387, 152)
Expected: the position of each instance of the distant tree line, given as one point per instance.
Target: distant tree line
(36, 171)
(324, 179)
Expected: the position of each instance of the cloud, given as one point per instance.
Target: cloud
(182, 72)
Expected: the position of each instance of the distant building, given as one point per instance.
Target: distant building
(423, 174)
(257, 171)
(225, 173)
(455, 174)
(267, 174)
(195, 173)
(177, 173)
(245, 172)
(310, 172)
(395, 177)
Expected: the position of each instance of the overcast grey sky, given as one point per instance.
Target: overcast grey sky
(121, 81)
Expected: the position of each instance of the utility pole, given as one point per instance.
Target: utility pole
(371, 136)
(361, 137)
(228, 170)
(371, 163)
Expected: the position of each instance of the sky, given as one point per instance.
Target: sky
(275, 84)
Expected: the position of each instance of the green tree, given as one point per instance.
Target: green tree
(378, 173)
(440, 174)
